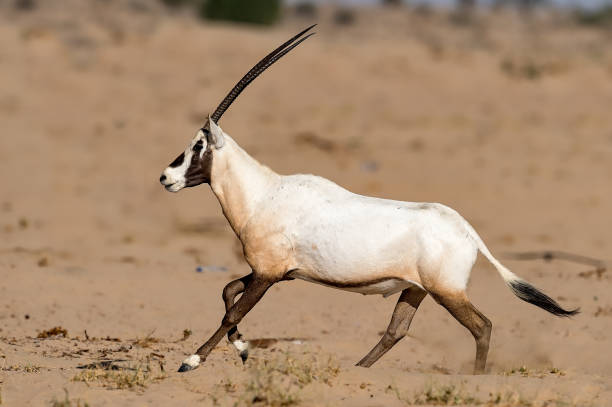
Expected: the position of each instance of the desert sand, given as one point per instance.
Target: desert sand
(506, 120)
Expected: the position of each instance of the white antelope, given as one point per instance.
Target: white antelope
(306, 227)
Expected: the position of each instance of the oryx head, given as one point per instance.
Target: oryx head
(194, 165)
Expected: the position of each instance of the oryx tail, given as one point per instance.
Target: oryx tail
(520, 287)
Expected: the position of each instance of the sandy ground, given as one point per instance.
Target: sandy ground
(510, 127)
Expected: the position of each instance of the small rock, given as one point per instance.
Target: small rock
(369, 166)
(23, 223)
(213, 269)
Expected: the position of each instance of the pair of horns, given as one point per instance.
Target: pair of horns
(261, 66)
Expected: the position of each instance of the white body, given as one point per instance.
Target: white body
(364, 244)
(307, 227)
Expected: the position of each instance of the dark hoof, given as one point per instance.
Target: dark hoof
(244, 355)
(185, 368)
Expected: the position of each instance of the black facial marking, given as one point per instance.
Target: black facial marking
(198, 146)
(200, 167)
(178, 161)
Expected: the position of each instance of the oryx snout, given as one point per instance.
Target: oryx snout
(173, 177)
(192, 167)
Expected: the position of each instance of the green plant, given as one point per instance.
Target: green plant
(306, 9)
(175, 3)
(601, 17)
(263, 12)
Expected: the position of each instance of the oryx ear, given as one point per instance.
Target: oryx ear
(216, 134)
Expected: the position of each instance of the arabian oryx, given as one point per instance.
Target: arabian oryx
(306, 227)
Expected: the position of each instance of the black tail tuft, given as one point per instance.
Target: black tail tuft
(532, 295)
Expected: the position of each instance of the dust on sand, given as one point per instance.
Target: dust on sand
(510, 127)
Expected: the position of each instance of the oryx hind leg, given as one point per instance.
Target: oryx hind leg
(404, 311)
(230, 292)
(479, 326)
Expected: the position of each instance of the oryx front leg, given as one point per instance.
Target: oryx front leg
(404, 311)
(253, 292)
(229, 295)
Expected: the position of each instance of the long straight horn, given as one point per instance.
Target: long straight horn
(261, 66)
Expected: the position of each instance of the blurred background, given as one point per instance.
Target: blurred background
(498, 108)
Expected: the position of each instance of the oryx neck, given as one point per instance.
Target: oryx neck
(240, 183)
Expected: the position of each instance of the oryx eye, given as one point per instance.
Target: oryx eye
(198, 146)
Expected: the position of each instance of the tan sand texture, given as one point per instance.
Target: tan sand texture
(507, 121)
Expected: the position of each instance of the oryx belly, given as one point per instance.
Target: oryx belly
(383, 286)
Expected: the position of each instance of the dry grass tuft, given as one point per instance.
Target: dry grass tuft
(514, 399)
(186, 334)
(147, 341)
(603, 311)
(27, 368)
(53, 332)
(136, 377)
(66, 402)
(303, 371)
(316, 141)
(435, 394)
(444, 395)
(532, 68)
(539, 373)
(277, 382)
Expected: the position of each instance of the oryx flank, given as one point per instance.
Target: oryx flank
(306, 227)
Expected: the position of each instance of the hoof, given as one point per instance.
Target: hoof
(244, 355)
(185, 368)
(190, 363)
(243, 349)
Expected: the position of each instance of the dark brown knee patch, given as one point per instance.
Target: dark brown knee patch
(232, 289)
